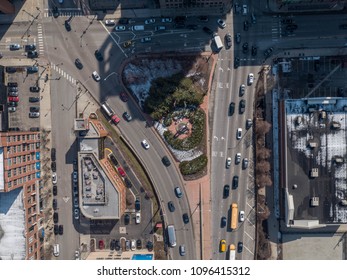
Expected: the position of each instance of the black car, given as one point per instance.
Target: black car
(13, 89)
(33, 54)
(55, 205)
(55, 190)
(34, 89)
(54, 166)
(228, 41)
(268, 52)
(11, 69)
(254, 50)
(245, 47)
(61, 229)
(12, 104)
(180, 19)
(127, 117)
(128, 183)
(98, 55)
(123, 21)
(242, 106)
(31, 47)
(207, 30)
(231, 108)
(171, 206)
(238, 38)
(114, 160)
(185, 218)
(126, 219)
(149, 246)
(117, 245)
(203, 18)
(12, 84)
(53, 154)
(236, 62)
(223, 222)
(34, 99)
(55, 12)
(139, 244)
(166, 161)
(245, 25)
(137, 205)
(113, 244)
(239, 247)
(55, 217)
(78, 63)
(56, 230)
(235, 182)
(226, 191)
(67, 25)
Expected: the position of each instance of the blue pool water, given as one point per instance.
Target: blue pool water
(145, 257)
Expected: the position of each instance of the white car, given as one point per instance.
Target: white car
(96, 76)
(221, 23)
(242, 216)
(76, 213)
(133, 245)
(54, 178)
(166, 20)
(244, 10)
(238, 158)
(228, 162)
(145, 144)
(119, 28)
(12, 109)
(149, 21)
(250, 78)
(138, 218)
(77, 255)
(75, 177)
(110, 22)
(239, 133)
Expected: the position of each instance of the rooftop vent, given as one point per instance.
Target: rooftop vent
(314, 173)
(314, 201)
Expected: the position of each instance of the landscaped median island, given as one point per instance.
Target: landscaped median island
(171, 90)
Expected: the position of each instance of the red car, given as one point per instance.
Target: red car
(121, 171)
(115, 119)
(123, 97)
(101, 245)
(13, 99)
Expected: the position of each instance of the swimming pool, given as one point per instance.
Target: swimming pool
(142, 257)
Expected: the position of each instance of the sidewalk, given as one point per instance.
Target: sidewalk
(306, 6)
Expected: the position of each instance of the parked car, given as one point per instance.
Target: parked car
(56, 229)
(166, 161)
(61, 229)
(33, 69)
(171, 206)
(13, 99)
(34, 99)
(236, 62)
(78, 63)
(149, 245)
(185, 218)
(133, 245)
(54, 166)
(139, 244)
(54, 178)
(34, 114)
(203, 18)
(207, 30)
(117, 245)
(221, 23)
(98, 55)
(55, 204)
(250, 78)
(238, 38)
(226, 191)
(12, 109)
(242, 90)
(239, 247)
(10, 69)
(55, 217)
(14, 47)
(12, 84)
(75, 176)
(137, 205)
(245, 47)
(110, 22)
(76, 213)
(242, 216)
(32, 54)
(13, 93)
(123, 21)
(34, 109)
(164, 20)
(55, 190)
(12, 104)
(120, 28)
(126, 219)
(145, 144)
(249, 123)
(245, 163)
(121, 171)
(150, 21)
(101, 245)
(123, 96)
(222, 245)
(30, 47)
(223, 222)
(138, 218)
(34, 89)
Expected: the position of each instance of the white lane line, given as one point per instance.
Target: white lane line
(250, 237)
(114, 40)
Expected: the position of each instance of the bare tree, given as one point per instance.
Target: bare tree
(262, 127)
(263, 167)
(263, 153)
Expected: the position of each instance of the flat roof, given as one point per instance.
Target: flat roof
(305, 123)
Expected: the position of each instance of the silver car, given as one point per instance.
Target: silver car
(34, 114)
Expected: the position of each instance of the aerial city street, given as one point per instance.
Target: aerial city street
(173, 130)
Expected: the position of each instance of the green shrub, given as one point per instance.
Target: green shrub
(193, 166)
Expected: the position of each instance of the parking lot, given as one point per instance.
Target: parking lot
(22, 114)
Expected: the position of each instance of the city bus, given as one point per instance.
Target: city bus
(171, 235)
(234, 216)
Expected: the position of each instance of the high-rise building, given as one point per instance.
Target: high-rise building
(6, 7)
(21, 220)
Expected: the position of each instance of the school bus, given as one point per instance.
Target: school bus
(234, 214)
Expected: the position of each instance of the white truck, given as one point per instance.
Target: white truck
(232, 252)
(218, 42)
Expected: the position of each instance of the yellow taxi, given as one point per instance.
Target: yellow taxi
(222, 245)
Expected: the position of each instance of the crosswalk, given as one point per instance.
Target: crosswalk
(63, 74)
(276, 28)
(65, 13)
(40, 39)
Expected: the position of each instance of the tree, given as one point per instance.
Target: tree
(263, 153)
(262, 127)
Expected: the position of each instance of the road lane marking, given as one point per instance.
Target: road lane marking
(114, 40)
(250, 237)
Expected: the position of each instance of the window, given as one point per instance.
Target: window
(15, 182)
(24, 158)
(9, 162)
(14, 160)
(14, 172)
(18, 137)
(9, 184)
(23, 137)
(28, 136)
(24, 169)
(9, 173)
(8, 139)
